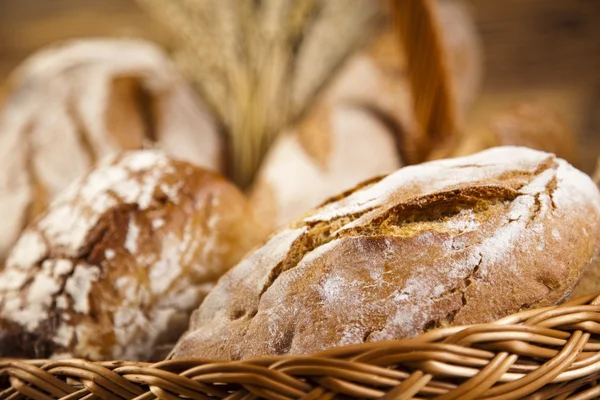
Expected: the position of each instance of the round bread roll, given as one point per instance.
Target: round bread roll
(118, 262)
(457, 241)
(74, 103)
(363, 125)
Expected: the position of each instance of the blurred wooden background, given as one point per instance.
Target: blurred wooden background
(532, 48)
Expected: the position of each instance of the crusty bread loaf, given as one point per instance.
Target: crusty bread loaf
(590, 281)
(363, 125)
(455, 241)
(74, 103)
(297, 177)
(532, 123)
(118, 262)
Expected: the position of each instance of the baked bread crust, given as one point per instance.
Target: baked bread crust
(456, 241)
(117, 264)
(74, 103)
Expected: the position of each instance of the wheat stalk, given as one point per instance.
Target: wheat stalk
(260, 63)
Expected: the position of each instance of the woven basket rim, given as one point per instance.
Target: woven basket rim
(548, 352)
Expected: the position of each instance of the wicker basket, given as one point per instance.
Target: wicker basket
(545, 353)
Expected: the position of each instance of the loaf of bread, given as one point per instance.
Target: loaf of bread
(457, 241)
(363, 125)
(74, 103)
(530, 123)
(115, 266)
(590, 282)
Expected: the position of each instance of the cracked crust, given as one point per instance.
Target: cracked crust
(72, 104)
(457, 241)
(116, 265)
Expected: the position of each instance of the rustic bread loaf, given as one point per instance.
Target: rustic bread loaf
(74, 103)
(534, 125)
(118, 262)
(342, 140)
(363, 125)
(531, 123)
(590, 281)
(455, 241)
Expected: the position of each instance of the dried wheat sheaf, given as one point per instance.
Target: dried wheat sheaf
(260, 63)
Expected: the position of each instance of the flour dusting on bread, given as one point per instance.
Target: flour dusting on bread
(73, 104)
(117, 263)
(457, 241)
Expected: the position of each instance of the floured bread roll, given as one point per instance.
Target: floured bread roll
(457, 241)
(363, 125)
(118, 262)
(72, 104)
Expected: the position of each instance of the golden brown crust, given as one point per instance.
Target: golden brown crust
(449, 242)
(117, 264)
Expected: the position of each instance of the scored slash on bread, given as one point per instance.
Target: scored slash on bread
(448, 242)
(117, 263)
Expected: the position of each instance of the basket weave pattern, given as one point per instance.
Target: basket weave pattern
(545, 353)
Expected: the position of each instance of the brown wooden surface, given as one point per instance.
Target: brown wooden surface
(26, 25)
(539, 42)
(533, 48)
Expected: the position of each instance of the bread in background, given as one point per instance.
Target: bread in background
(73, 103)
(533, 123)
(590, 282)
(363, 124)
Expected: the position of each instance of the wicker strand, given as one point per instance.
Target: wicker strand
(547, 353)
